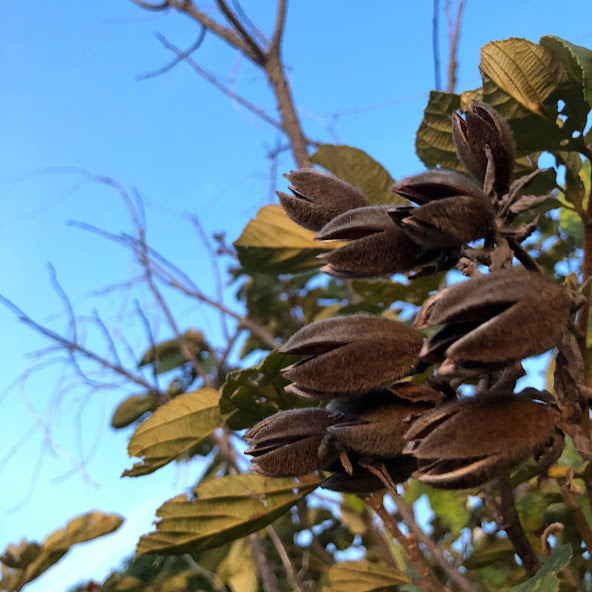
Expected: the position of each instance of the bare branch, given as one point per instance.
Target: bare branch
(235, 22)
(69, 345)
(108, 337)
(179, 58)
(288, 567)
(280, 21)
(256, 32)
(162, 6)
(453, 37)
(221, 87)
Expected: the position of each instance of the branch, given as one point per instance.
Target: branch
(180, 57)
(162, 6)
(73, 346)
(289, 568)
(453, 37)
(280, 20)
(221, 87)
(514, 529)
(435, 44)
(225, 9)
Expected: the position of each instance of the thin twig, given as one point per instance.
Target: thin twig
(453, 37)
(214, 580)
(514, 529)
(289, 568)
(180, 57)
(578, 515)
(408, 543)
(436, 43)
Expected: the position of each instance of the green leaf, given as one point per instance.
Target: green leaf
(224, 510)
(546, 579)
(250, 395)
(433, 142)
(173, 429)
(527, 72)
(386, 292)
(576, 59)
(494, 551)
(272, 243)
(132, 408)
(168, 355)
(40, 558)
(364, 576)
(238, 569)
(361, 170)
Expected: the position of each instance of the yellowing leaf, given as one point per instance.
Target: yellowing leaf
(132, 408)
(361, 170)
(526, 71)
(224, 510)
(238, 569)
(40, 558)
(364, 576)
(173, 429)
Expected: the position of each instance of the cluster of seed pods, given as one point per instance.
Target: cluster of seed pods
(362, 367)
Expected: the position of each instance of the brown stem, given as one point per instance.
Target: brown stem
(289, 568)
(514, 529)
(453, 37)
(381, 543)
(409, 544)
(291, 124)
(578, 515)
(270, 583)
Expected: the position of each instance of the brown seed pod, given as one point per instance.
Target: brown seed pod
(350, 354)
(436, 184)
(286, 444)
(318, 197)
(494, 319)
(484, 126)
(364, 482)
(448, 222)
(417, 393)
(383, 421)
(467, 442)
(377, 245)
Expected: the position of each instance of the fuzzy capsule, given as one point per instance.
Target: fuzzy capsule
(383, 420)
(494, 319)
(363, 482)
(436, 184)
(376, 247)
(448, 222)
(350, 354)
(484, 126)
(286, 444)
(318, 197)
(468, 442)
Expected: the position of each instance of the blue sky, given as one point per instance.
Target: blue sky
(71, 101)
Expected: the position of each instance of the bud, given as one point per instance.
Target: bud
(434, 185)
(363, 482)
(286, 444)
(484, 126)
(318, 198)
(377, 245)
(447, 223)
(350, 354)
(493, 320)
(468, 442)
(383, 420)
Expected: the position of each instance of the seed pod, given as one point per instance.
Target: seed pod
(494, 319)
(364, 482)
(383, 420)
(286, 444)
(484, 126)
(434, 185)
(350, 354)
(468, 442)
(417, 393)
(318, 198)
(377, 246)
(448, 222)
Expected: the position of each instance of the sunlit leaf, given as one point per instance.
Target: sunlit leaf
(224, 510)
(546, 579)
(361, 170)
(173, 429)
(272, 243)
(250, 395)
(238, 569)
(364, 576)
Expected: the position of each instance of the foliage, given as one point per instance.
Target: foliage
(544, 91)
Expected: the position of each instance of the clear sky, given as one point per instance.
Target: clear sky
(70, 100)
